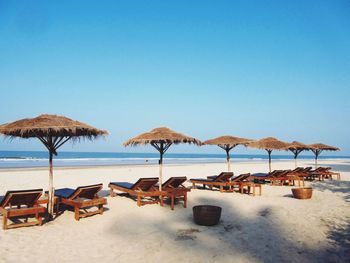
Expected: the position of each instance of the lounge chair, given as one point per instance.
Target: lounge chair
(238, 180)
(220, 181)
(244, 181)
(175, 190)
(21, 203)
(324, 172)
(265, 177)
(145, 190)
(82, 197)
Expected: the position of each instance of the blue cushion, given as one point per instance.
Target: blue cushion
(123, 184)
(64, 192)
(201, 179)
(260, 174)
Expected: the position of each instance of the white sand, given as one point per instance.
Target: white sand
(270, 228)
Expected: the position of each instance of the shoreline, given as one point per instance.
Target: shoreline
(144, 165)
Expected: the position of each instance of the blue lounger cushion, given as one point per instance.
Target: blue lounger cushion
(64, 192)
(123, 184)
(260, 174)
(201, 179)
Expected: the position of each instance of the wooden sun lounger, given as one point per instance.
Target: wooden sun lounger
(175, 190)
(82, 198)
(145, 190)
(324, 172)
(265, 177)
(16, 204)
(242, 181)
(288, 177)
(220, 181)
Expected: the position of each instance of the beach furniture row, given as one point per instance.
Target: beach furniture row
(29, 203)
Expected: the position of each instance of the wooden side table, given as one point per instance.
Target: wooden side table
(249, 185)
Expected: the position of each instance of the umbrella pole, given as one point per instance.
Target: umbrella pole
(51, 193)
(161, 151)
(269, 152)
(228, 160)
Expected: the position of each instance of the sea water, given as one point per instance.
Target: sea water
(24, 159)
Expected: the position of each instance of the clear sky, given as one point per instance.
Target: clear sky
(205, 68)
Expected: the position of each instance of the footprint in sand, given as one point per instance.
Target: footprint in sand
(186, 234)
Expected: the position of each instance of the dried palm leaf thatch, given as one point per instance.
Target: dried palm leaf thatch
(161, 135)
(296, 148)
(323, 147)
(269, 144)
(227, 143)
(161, 139)
(50, 125)
(318, 148)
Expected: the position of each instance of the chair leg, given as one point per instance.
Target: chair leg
(172, 202)
(185, 200)
(4, 222)
(76, 213)
(111, 192)
(138, 200)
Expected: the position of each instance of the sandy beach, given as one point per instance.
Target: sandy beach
(273, 227)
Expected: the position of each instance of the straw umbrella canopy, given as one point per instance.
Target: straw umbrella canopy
(228, 143)
(53, 131)
(296, 148)
(269, 144)
(161, 139)
(318, 148)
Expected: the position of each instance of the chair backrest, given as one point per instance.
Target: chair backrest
(21, 197)
(224, 177)
(240, 177)
(88, 191)
(275, 172)
(174, 182)
(319, 169)
(297, 170)
(145, 184)
(279, 173)
(307, 169)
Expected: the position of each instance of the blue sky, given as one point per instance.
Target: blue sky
(205, 68)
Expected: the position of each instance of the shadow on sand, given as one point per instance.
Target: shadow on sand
(258, 238)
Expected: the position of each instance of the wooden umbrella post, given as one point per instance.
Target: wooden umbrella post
(316, 157)
(228, 159)
(51, 193)
(269, 152)
(317, 153)
(161, 166)
(161, 148)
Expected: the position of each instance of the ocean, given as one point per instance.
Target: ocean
(25, 159)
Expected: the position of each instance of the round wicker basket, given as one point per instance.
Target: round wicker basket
(206, 215)
(302, 193)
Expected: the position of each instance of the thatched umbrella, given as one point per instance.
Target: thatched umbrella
(161, 139)
(228, 143)
(318, 148)
(269, 144)
(296, 148)
(53, 131)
